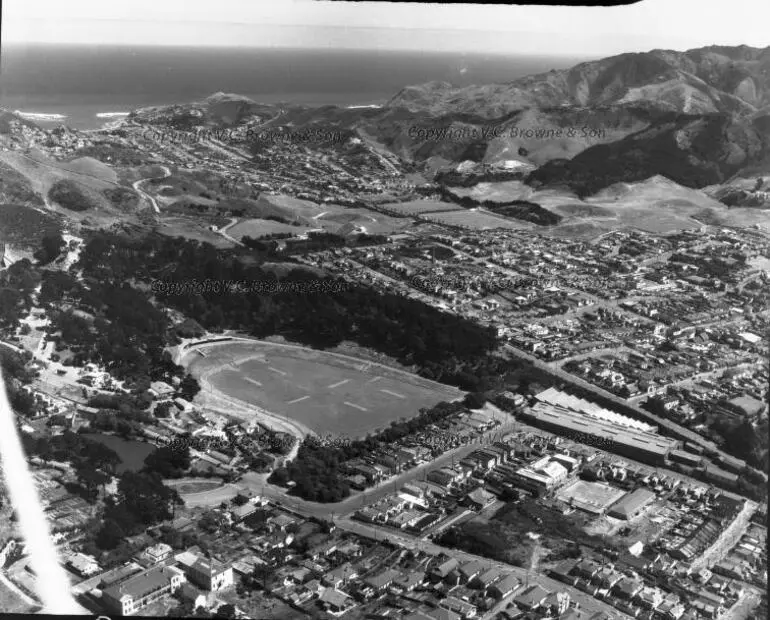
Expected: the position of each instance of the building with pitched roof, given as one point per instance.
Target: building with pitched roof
(208, 574)
(135, 593)
(632, 504)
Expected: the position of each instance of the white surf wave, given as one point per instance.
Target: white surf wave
(40, 116)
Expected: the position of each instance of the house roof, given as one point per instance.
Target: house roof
(632, 502)
(140, 585)
(474, 567)
(480, 496)
(209, 566)
(383, 579)
(446, 567)
(440, 613)
(489, 576)
(334, 597)
(532, 596)
(507, 583)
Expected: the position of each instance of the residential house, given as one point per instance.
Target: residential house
(410, 581)
(627, 588)
(458, 606)
(340, 576)
(478, 499)
(586, 569)
(84, 565)
(486, 579)
(209, 574)
(281, 521)
(503, 587)
(440, 572)
(471, 570)
(531, 598)
(383, 580)
(441, 613)
(335, 602)
(154, 555)
(556, 603)
(239, 513)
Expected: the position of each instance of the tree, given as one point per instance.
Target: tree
(145, 497)
(50, 247)
(90, 479)
(225, 611)
(163, 410)
(240, 500)
(475, 400)
(168, 462)
(110, 535)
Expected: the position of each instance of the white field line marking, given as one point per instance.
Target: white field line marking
(339, 383)
(280, 372)
(254, 381)
(298, 400)
(373, 380)
(396, 394)
(359, 407)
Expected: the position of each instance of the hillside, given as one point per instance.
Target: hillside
(695, 151)
(701, 81)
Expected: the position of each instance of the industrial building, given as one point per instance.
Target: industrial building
(552, 396)
(612, 436)
(542, 476)
(632, 504)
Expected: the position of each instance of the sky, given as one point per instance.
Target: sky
(495, 29)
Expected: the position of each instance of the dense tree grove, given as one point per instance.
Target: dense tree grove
(71, 195)
(168, 462)
(142, 501)
(315, 242)
(445, 347)
(50, 248)
(114, 324)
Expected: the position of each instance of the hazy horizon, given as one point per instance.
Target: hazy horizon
(562, 31)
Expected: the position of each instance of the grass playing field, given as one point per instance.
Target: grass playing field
(325, 392)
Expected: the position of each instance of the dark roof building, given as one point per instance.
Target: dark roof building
(632, 504)
(745, 405)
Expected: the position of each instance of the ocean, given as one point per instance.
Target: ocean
(77, 83)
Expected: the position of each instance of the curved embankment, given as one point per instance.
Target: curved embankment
(205, 358)
(214, 400)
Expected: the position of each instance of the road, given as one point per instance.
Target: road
(257, 483)
(727, 539)
(743, 606)
(223, 231)
(710, 374)
(139, 190)
(675, 429)
(598, 302)
(417, 544)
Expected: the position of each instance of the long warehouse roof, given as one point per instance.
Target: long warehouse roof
(581, 423)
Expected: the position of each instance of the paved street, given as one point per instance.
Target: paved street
(727, 538)
(416, 544)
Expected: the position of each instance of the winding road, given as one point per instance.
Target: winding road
(139, 190)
